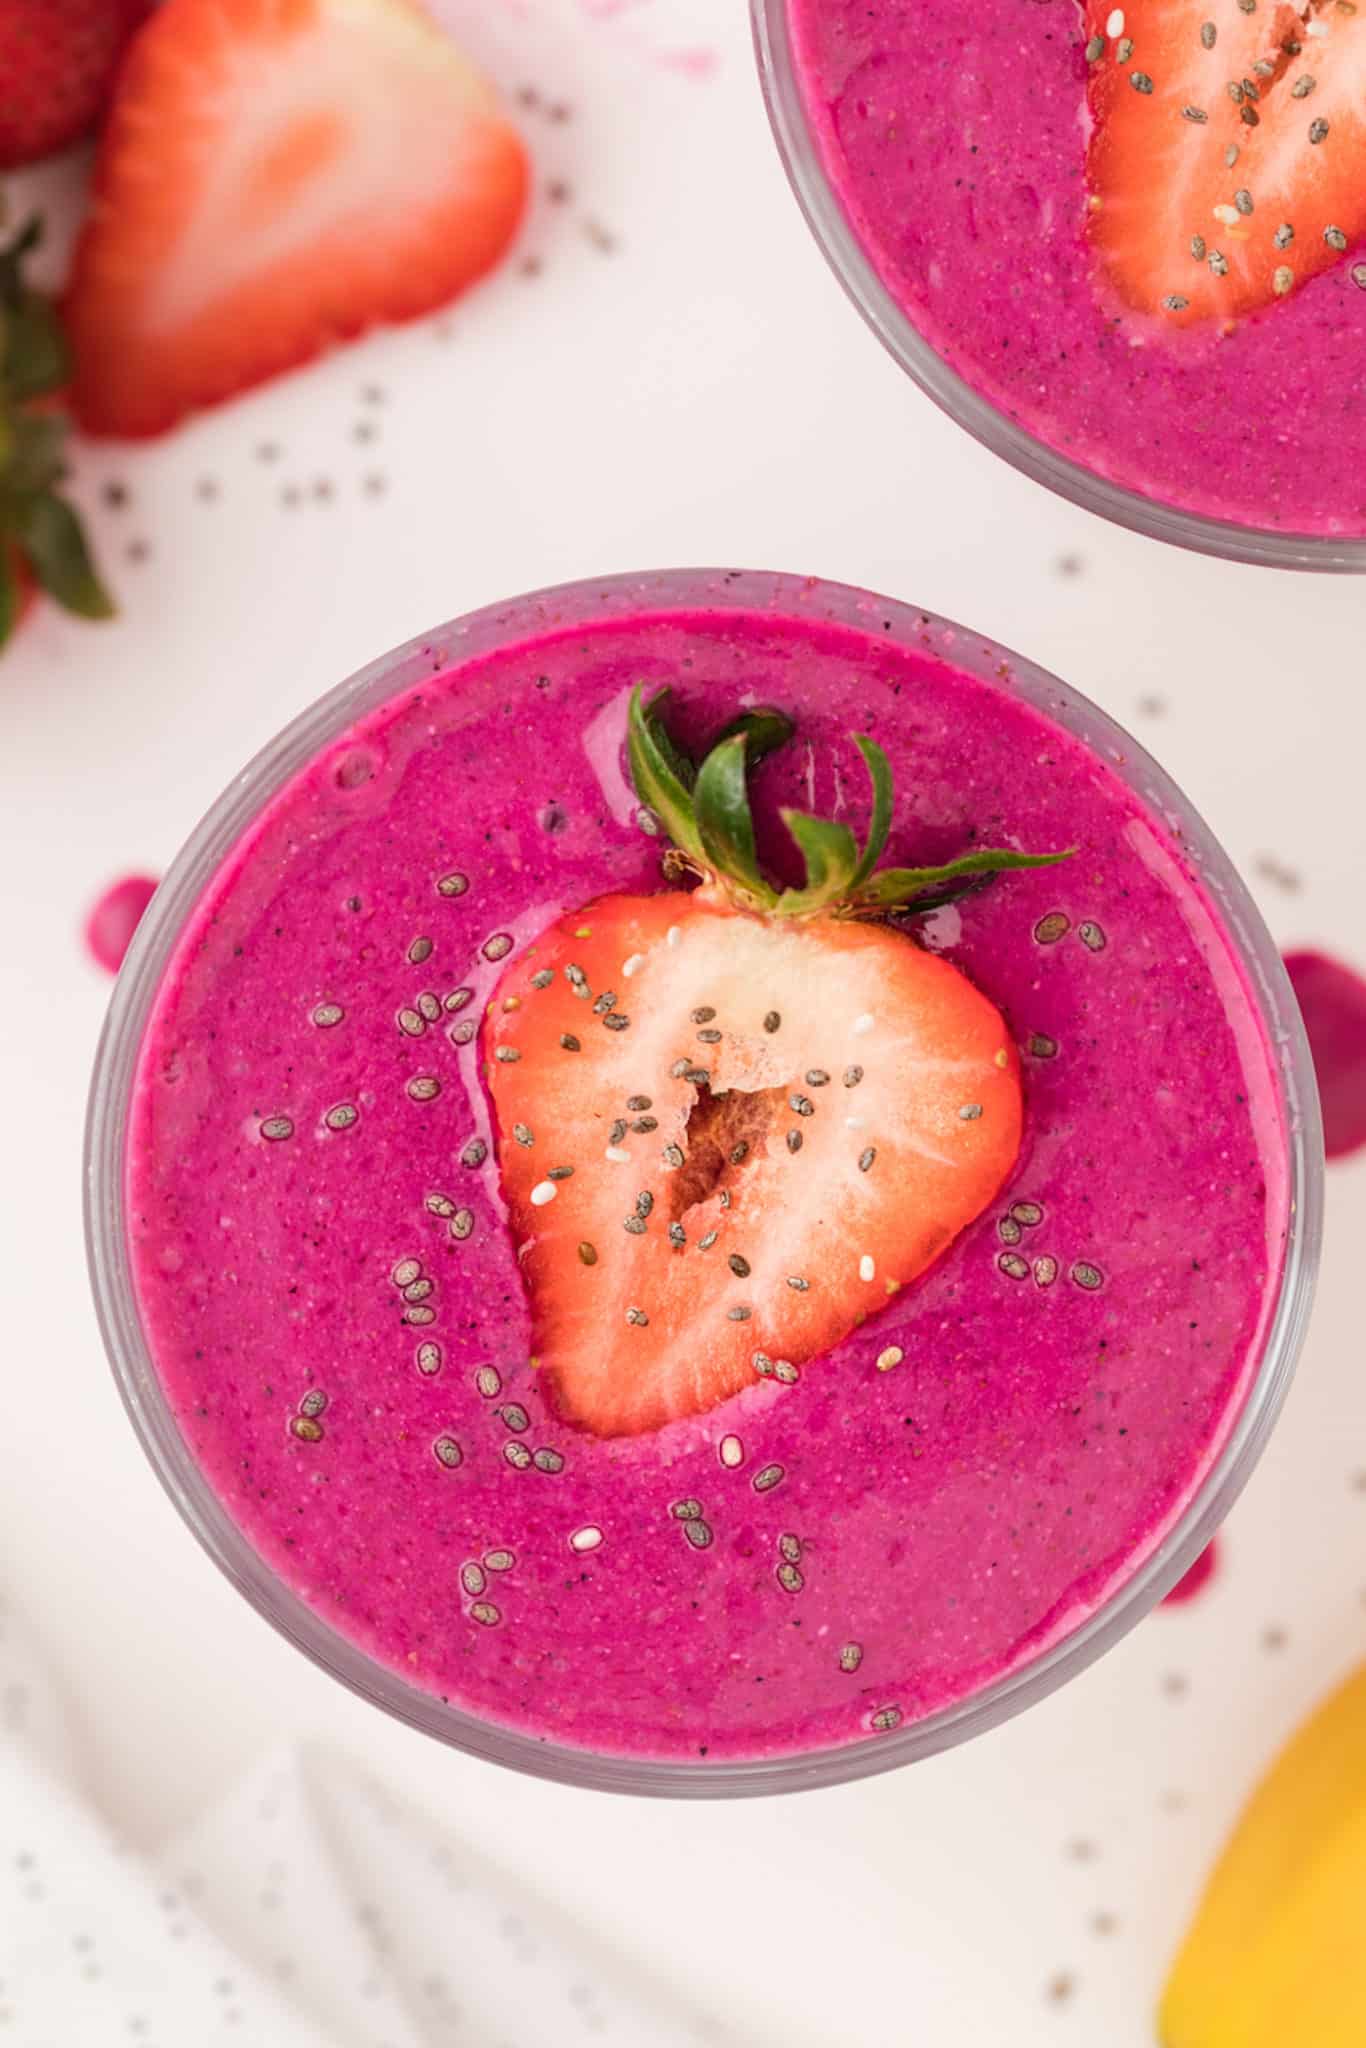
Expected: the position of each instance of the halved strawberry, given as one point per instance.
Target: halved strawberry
(275, 176)
(1227, 148)
(733, 1122)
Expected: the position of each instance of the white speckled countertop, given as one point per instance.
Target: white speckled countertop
(665, 373)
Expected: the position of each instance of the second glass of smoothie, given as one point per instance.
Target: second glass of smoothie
(1120, 244)
(659, 1311)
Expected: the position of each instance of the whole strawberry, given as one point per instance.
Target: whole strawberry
(57, 64)
(42, 544)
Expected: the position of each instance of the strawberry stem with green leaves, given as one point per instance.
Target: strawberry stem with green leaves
(705, 812)
(39, 530)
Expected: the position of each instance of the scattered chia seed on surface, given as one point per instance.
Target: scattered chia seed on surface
(328, 1014)
(276, 1128)
(1140, 81)
(341, 1116)
(1008, 1230)
(516, 1454)
(1051, 928)
(1013, 1266)
(890, 1358)
(1045, 1270)
(789, 1578)
(1318, 130)
(306, 1428)
(462, 1224)
(766, 1478)
(851, 1656)
(1088, 1276)
(447, 1452)
(1091, 935)
(458, 998)
(772, 1021)
(866, 1158)
(547, 1460)
(452, 885)
(424, 1088)
(498, 947)
(890, 1717)
(698, 1534)
(489, 1381)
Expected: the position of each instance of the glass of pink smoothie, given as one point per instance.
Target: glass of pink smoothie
(319, 1292)
(1107, 242)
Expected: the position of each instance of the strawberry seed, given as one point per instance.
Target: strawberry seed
(588, 1254)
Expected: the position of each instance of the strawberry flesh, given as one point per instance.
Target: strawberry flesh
(793, 1121)
(1226, 152)
(275, 176)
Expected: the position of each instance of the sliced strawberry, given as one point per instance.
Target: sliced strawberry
(1227, 145)
(791, 1122)
(275, 176)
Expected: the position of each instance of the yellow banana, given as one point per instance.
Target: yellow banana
(1276, 1954)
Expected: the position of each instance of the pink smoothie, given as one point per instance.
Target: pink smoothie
(311, 1078)
(959, 157)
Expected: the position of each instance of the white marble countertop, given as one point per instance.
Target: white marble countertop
(666, 374)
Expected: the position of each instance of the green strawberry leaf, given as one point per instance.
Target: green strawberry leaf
(895, 886)
(662, 775)
(33, 461)
(764, 728)
(35, 358)
(11, 593)
(880, 824)
(706, 812)
(52, 538)
(721, 805)
(830, 852)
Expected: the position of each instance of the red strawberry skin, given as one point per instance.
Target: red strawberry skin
(277, 176)
(57, 64)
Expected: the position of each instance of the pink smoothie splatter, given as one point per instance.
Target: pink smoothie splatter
(114, 918)
(1332, 999)
(1197, 1578)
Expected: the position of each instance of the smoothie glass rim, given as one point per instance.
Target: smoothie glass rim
(846, 255)
(235, 810)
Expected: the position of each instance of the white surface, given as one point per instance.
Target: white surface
(701, 394)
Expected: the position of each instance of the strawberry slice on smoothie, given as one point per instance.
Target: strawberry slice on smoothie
(733, 1121)
(1226, 152)
(275, 176)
